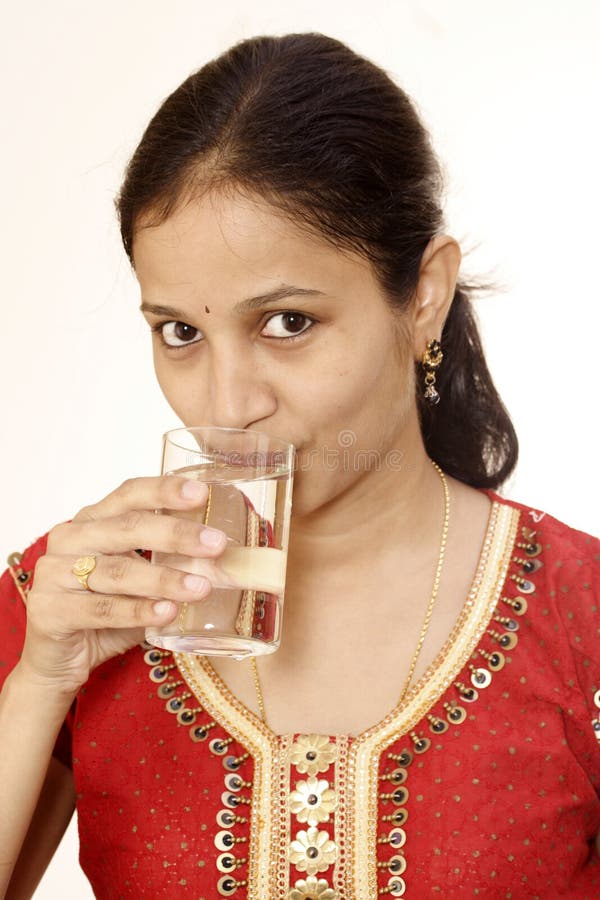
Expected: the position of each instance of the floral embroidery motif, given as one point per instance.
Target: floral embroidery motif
(368, 859)
(313, 851)
(313, 889)
(312, 801)
(312, 753)
(356, 846)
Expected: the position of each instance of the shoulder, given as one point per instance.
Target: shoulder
(20, 568)
(565, 576)
(27, 557)
(15, 582)
(563, 613)
(18, 574)
(561, 542)
(566, 586)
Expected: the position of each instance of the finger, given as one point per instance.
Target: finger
(179, 534)
(148, 492)
(131, 577)
(68, 612)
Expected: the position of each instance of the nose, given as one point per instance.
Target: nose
(238, 391)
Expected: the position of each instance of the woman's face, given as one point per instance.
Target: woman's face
(323, 366)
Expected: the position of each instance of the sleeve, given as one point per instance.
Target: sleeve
(575, 586)
(15, 583)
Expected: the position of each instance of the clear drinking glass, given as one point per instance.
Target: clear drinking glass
(250, 478)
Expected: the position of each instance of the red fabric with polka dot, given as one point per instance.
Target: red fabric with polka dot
(506, 805)
(12, 635)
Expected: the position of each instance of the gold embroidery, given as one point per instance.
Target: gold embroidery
(341, 880)
(312, 851)
(364, 753)
(250, 732)
(312, 888)
(281, 865)
(312, 753)
(312, 801)
(352, 852)
(21, 578)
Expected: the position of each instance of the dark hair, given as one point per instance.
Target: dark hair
(328, 138)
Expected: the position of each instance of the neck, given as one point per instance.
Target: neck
(387, 510)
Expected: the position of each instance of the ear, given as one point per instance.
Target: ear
(438, 274)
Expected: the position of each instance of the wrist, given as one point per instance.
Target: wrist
(50, 699)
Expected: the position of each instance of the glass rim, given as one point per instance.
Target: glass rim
(181, 428)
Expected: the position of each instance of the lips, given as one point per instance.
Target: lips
(256, 459)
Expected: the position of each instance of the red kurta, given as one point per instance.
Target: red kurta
(483, 782)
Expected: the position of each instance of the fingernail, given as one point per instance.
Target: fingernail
(211, 537)
(164, 608)
(196, 583)
(193, 490)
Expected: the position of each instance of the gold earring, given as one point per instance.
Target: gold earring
(432, 357)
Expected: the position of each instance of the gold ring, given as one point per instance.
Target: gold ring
(82, 568)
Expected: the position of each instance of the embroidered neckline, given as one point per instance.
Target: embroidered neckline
(370, 775)
(482, 598)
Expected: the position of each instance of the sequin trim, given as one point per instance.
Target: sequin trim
(249, 731)
(354, 871)
(596, 720)
(468, 631)
(21, 578)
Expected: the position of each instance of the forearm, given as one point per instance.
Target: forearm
(30, 718)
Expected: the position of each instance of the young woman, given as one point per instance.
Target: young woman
(428, 725)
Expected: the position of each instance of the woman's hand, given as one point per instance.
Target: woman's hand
(71, 630)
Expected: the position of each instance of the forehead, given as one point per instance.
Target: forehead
(230, 242)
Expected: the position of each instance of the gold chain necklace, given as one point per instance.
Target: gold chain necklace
(428, 613)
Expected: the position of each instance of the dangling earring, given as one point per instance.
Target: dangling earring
(431, 360)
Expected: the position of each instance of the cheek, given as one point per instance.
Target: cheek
(353, 411)
(368, 385)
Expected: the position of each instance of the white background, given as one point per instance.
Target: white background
(510, 93)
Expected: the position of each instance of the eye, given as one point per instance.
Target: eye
(282, 326)
(176, 334)
(287, 325)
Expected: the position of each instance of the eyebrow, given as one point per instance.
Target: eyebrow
(250, 304)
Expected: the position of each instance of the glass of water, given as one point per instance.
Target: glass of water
(250, 477)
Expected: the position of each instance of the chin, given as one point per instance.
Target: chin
(306, 496)
(313, 490)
